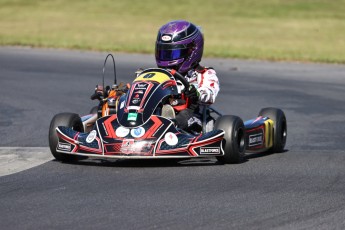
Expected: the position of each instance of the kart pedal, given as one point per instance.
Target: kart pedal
(168, 112)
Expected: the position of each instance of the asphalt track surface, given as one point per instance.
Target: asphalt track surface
(302, 188)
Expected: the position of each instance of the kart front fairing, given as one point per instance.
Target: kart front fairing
(147, 92)
(158, 137)
(136, 131)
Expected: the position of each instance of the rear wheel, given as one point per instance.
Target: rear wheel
(71, 120)
(279, 128)
(234, 139)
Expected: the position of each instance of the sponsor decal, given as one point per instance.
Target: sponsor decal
(149, 75)
(92, 136)
(136, 100)
(122, 131)
(171, 138)
(132, 117)
(139, 92)
(141, 86)
(138, 132)
(64, 146)
(122, 104)
(209, 150)
(255, 139)
(127, 145)
(166, 38)
(133, 107)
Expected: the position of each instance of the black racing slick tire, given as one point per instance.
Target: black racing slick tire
(279, 128)
(234, 143)
(71, 120)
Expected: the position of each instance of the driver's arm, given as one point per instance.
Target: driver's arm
(208, 86)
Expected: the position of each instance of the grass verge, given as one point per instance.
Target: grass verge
(303, 30)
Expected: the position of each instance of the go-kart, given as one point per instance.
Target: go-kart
(139, 123)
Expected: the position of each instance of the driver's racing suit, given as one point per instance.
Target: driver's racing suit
(206, 83)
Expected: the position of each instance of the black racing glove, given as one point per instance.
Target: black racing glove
(98, 93)
(193, 96)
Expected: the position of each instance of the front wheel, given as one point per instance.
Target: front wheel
(70, 120)
(279, 128)
(234, 142)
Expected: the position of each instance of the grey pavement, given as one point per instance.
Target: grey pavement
(302, 188)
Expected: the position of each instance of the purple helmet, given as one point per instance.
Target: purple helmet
(179, 46)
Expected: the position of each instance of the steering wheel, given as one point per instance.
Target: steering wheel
(179, 77)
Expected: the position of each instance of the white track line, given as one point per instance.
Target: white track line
(16, 159)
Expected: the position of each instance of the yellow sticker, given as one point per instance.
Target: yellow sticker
(153, 76)
(269, 133)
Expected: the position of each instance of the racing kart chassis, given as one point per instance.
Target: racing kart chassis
(135, 131)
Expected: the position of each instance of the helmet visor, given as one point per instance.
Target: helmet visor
(173, 54)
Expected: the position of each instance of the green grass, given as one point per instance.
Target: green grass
(304, 30)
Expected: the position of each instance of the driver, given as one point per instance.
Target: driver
(179, 46)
